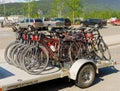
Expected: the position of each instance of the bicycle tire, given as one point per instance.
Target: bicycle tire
(7, 52)
(100, 48)
(74, 52)
(105, 50)
(13, 53)
(30, 67)
(19, 55)
(64, 51)
(83, 50)
(95, 49)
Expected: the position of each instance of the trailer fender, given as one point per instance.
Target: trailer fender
(77, 65)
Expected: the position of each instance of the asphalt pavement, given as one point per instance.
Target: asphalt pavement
(111, 35)
(108, 79)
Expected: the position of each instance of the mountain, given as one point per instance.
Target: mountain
(102, 4)
(45, 6)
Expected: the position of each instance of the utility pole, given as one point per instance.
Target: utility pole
(28, 8)
(4, 8)
(73, 10)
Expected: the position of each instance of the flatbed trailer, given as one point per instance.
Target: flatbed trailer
(12, 77)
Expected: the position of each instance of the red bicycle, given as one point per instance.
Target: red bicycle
(37, 57)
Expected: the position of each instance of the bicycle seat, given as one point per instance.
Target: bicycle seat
(82, 28)
(59, 31)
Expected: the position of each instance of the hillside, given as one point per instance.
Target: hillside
(20, 8)
(45, 6)
(102, 4)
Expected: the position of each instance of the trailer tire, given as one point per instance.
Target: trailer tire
(85, 76)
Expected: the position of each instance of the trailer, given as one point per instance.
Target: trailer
(12, 77)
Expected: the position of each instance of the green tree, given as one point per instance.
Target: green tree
(31, 8)
(75, 7)
(57, 8)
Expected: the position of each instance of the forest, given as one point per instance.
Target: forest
(58, 8)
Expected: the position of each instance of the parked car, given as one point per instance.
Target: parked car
(116, 22)
(66, 22)
(57, 23)
(31, 22)
(78, 20)
(94, 22)
(111, 19)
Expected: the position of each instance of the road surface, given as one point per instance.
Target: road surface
(107, 80)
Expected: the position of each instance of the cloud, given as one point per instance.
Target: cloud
(18, 0)
(12, 1)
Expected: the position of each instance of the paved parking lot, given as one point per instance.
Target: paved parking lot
(107, 80)
(7, 35)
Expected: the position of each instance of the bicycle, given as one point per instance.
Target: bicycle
(59, 54)
(91, 44)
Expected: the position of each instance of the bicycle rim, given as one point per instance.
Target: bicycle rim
(8, 52)
(105, 50)
(64, 52)
(19, 53)
(35, 60)
(13, 53)
(74, 52)
(20, 56)
(97, 50)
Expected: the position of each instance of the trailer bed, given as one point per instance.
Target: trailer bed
(12, 77)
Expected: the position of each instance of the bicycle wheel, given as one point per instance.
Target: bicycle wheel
(105, 50)
(8, 52)
(17, 53)
(74, 52)
(13, 54)
(95, 47)
(84, 51)
(64, 51)
(35, 59)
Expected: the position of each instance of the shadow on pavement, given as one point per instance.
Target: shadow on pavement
(4, 73)
(54, 85)
(65, 83)
(103, 72)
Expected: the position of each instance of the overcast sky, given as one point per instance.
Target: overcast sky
(16, 0)
(8, 1)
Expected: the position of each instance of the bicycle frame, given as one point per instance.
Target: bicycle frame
(53, 41)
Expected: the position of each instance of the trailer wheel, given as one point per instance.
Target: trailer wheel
(85, 76)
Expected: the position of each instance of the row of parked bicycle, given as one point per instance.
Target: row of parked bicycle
(32, 50)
